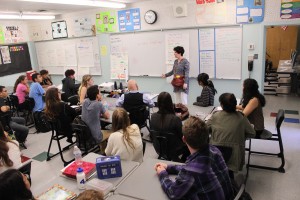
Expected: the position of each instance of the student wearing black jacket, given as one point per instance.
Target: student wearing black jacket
(69, 87)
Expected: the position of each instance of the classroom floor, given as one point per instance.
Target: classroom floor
(262, 184)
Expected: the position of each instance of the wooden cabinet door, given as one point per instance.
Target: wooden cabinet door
(280, 43)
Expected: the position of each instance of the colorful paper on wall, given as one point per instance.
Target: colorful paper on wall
(13, 34)
(83, 26)
(214, 13)
(251, 11)
(5, 54)
(106, 22)
(129, 20)
(119, 66)
(2, 39)
(290, 9)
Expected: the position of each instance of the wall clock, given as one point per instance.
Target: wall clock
(59, 29)
(150, 17)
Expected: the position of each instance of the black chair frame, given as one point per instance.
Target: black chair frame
(57, 135)
(82, 131)
(275, 137)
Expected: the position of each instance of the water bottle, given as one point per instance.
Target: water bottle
(115, 85)
(80, 177)
(78, 156)
(121, 86)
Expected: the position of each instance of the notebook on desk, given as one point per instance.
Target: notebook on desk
(57, 192)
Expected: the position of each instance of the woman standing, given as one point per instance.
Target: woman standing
(208, 92)
(86, 82)
(57, 110)
(181, 69)
(126, 139)
(21, 89)
(251, 105)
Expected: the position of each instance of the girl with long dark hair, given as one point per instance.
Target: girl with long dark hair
(21, 89)
(208, 92)
(251, 105)
(57, 110)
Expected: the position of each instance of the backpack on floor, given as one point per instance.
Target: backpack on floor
(41, 123)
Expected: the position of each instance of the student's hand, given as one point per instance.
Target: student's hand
(163, 76)
(159, 169)
(164, 165)
(184, 86)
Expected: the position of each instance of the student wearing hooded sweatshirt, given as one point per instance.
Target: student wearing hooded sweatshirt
(69, 87)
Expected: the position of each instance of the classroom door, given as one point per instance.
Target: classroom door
(280, 42)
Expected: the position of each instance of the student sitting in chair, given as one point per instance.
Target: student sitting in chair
(58, 110)
(69, 87)
(87, 81)
(10, 155)
(21, 89)
(230, 129)
(208, 92)
(17, 124)
(166, 121)
(126, 140)
(46, 79)
(37, 92)
(92, 110)
(252, 103)
(134, 98)
(205, 174)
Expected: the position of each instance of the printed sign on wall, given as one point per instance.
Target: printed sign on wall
(290, 9)
(251, 11)
(106, 22)
(129, 20)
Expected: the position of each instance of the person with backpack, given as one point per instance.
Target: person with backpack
(17, 124)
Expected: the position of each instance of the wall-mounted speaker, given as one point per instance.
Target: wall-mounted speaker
(180, 10)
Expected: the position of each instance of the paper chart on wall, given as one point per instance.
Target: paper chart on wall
(119, 66)
(83, 26)
(213, 13)
(173, 40)
(2, 38)
(5, 54)
(85, 54)
(206, 39)
(207, 63)
(70, 53)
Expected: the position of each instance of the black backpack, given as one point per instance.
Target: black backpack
(41, 123)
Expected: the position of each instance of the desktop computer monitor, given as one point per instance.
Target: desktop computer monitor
(295, 59)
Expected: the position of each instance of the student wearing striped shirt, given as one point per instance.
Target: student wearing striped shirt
(208, 92)
(205, 174)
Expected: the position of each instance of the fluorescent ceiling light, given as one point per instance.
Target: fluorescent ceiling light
(93, 3)
(24, 16)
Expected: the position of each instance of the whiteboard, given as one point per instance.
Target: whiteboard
(220, 51)
(147, 51)
(80, 54)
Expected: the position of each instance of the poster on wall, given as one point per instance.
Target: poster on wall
(251, 11)
(129, 20)
(5, 54)
(13, 34)
(83, 26)
(119, 66)
(215, 12)
(106, 22)
(290, 9)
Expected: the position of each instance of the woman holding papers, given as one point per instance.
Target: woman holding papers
(180, 71)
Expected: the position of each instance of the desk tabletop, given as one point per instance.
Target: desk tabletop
(71, 184)
(119, 197)
(143, 183)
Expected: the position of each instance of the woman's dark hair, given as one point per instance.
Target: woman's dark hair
(228, 102)
(251, 90)
(52, 101)
(4, 149)
(165, 105)
(43, 72)
(19, 80)
(92, 92)
(69, 72)
(13, 187)
(204, 78)
(179, 50)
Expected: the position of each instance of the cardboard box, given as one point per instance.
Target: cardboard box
(108, 167)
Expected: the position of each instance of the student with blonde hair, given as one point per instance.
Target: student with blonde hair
(126, 140)
(87, 81)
